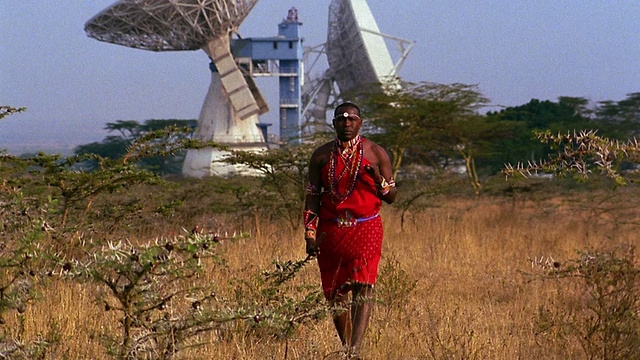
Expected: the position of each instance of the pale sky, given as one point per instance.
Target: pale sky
(514, 51)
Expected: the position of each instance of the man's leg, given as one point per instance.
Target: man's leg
(360, 313)
(342, 317)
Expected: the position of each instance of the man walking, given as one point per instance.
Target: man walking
(348, 180)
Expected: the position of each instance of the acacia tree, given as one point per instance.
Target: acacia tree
(20, 229)
(519, 123)
(9, 110)
(581, 153)
(610, 149)
(284, 175)
(580, 105)
(622, 117)
(434, 122)
(130, 131)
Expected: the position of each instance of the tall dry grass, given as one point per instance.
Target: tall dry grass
(453, 284)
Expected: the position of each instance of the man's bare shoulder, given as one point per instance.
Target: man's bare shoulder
(322, 153)
(323, 149)
(374, 147)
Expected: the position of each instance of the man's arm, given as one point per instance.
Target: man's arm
(314, 184)
(312, 202)
(382, 174)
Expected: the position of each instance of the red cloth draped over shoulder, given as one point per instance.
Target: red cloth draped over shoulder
(349, 254)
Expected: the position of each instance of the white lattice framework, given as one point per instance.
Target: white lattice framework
(166, 25)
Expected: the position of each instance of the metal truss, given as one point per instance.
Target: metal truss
(168, 25)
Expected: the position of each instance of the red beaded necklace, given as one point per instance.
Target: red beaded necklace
(351, 153)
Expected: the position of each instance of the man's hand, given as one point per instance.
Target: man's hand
(312, 246)
(374, 171)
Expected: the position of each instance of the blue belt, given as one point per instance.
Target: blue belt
(352, 221)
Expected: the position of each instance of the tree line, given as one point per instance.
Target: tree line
(436, 126)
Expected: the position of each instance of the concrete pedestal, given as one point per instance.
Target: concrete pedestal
(219, 122)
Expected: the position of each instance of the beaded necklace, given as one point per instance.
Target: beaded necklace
(351, 153)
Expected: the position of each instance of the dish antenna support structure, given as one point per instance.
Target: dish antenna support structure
(280, 56)
(233, 102)
(357, 54)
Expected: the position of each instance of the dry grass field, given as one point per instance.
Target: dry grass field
(464, 278)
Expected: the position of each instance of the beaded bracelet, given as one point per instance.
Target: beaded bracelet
(310, 223)
(385, 187)
(312, 190)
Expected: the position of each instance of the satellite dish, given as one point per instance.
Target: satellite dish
(165, 25)
(230, 111)
(357, 54)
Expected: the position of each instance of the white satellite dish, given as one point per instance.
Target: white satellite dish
(230, 111)
(357, 54)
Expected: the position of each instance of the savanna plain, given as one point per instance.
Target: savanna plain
(531, 269)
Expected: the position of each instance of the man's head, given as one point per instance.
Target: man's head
(347, 121)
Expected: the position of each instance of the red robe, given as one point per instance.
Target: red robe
(349, 254)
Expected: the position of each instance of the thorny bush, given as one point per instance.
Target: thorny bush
(61, 223)
(596, 306)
